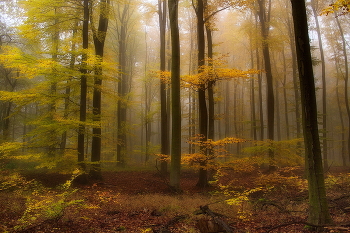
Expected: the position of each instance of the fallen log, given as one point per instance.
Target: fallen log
(223, 227)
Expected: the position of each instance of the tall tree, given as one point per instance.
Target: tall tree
(295, 78)
(175, 96)
(265, 30)
(202, 105)
(314, 6)
(162, 12)
(318, 211)
(123, 18)
(346, 77)
(83, 88)
(99, 37)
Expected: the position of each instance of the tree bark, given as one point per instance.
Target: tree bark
(286, 117)
(99, 37)
(175, 167)
(162, 12)
(295, 80)
(346, 78)
(265, 28)
(122, 88)
(202, 105)
(324, 86)
(83, 91)
(318, 211)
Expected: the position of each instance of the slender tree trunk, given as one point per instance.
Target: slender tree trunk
(52, 134)
(295, 81)
(175, 167)
(252, 92)
(202, 105)
(99, 42)
(265, 28)
(314, 4)
(346, 78)
(122, 88)
(285, 95)
(342, 125)
(162, 12)
(67, 93)
(261, 112)
(318, 206)
(211, 102)
(278, 115)
(83, 93)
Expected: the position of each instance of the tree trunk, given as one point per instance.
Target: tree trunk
(252, 92)
(202, 105)
(324, 87)
(285, 95)
(122, 88)
(99, 42)
(83, 92)
(175, 167)
(342, 125)
(162, 12)
(295, 81)
(346, 78)
(68, 90)
(318, 211)
(261, 112)
(264, 22)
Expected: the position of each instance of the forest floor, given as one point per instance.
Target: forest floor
(141, 201)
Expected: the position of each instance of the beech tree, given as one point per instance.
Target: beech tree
(99, 36)
(162, 12)
(314, 6)
(318, 212)
(264, 17)
(175, 96)
(83, 88)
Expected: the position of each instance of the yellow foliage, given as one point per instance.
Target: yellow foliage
(7, 148)
(343, 5)
(214, 72)
(13, 58)
(13, 180)
(162, 157)
(216, 149)
(286, 153)
(279, 181)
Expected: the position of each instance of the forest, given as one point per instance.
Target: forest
(174, 116)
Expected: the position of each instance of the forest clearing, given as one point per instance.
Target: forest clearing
(142, 201)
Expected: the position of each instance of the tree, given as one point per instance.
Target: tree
(123, 15)
(314, 6)
(346, 77)
(163, 100)
(175, 96)
(99, 37)
(265, 29)
(202, 105)
(318, 212)
(83, 89)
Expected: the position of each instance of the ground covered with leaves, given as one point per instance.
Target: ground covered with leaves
(246, 200)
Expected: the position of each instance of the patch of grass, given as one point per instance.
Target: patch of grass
(174, 205)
